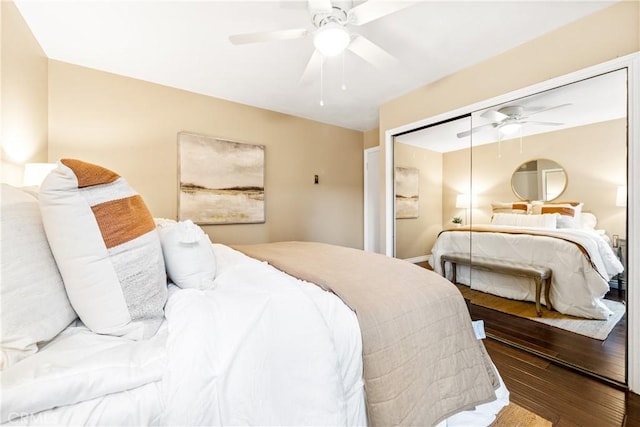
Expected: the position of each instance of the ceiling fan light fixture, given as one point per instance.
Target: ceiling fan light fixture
(509, 128)
(331, 39)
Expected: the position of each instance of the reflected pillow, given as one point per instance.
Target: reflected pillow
(569, 212)
(510, 207)
(547, 221)
(588, 220)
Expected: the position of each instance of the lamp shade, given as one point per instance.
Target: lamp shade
(463, 201)
(621, 196)
(331, 39)
(35, 173)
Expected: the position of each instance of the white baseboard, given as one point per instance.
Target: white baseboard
(418, 259)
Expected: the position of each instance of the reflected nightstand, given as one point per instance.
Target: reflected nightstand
(621, 252)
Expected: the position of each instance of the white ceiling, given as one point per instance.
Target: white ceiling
(593, 100)
(184, 44)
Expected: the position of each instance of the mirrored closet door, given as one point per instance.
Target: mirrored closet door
(533, 192)
(549, 174)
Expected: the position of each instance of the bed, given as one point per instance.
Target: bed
(195, 333)
(580, 257)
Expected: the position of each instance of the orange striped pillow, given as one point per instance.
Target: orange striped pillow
(105, 243)
(510, 207)
(570, 212)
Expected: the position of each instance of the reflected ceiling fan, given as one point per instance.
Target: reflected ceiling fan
(509, 120)
(332, 33)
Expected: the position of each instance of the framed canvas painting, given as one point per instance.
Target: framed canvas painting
(220, 181)
(407, 192)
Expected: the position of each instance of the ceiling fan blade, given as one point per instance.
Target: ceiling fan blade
(543, 123)
(371, 52)
(268, 36)
(474, 130)
(529, 114)
(324, 6)
(312, 69)
(374, 9)
(494, 116)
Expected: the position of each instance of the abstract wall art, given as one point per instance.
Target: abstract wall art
(220, 181)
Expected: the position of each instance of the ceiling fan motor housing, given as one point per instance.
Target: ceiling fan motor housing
(512, 111)
(337, 15)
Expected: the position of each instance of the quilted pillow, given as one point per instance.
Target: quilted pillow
(188, 254)
(34, 304)
(107, 248)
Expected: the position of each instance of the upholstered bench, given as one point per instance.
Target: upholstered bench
(541, 275)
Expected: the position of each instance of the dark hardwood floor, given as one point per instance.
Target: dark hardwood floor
(606, 359)
(559, 394)
(544, 370)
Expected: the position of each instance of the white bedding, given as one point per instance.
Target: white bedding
(240, 354)
(577, 285)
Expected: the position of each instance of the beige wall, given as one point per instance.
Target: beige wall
(23, 95)
(594, 158)
(371, 138)
(414, 234)
(131, 127)
(603, 36)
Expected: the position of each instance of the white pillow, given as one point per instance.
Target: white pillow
(588, 220)
(188, 254)
(518, 220)
(107, 248)
(570, 213)
(35, 306)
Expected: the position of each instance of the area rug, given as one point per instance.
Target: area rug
(513, 415)
(598, 329)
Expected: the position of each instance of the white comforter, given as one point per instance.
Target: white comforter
(577, 287)
(261, 348)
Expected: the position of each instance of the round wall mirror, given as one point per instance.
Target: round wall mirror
(539, 179)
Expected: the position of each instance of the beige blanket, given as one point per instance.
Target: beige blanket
(422, 362)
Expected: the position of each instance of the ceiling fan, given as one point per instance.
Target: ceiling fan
(509, 120)
(332, 33)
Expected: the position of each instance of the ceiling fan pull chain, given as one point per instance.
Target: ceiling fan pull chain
(520, 139)
(322, 82)
(344, 83)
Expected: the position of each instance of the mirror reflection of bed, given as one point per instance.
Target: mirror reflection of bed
(544, 194)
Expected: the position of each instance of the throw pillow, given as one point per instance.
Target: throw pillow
(188, 254)
(104, 240)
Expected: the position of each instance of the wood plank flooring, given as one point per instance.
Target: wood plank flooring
(605, 359)
(561, 395)
(565, 396)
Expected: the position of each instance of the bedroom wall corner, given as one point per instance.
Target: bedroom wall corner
(371, 138)
(23, 89)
